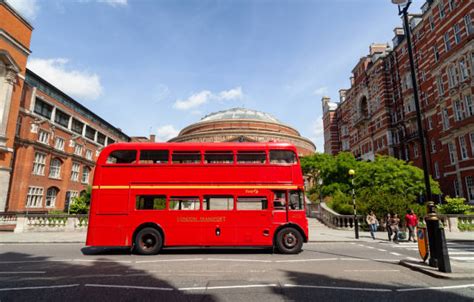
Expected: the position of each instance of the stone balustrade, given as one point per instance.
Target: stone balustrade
(51, 223)
(335, 220)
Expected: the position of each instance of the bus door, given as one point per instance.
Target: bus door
(184, 226)
(218, 220)
(254, 220)
(280, 214)
(296, 212)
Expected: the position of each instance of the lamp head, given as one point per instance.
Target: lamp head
(401, 2)
(352, 172)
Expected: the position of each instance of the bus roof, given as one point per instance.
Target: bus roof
(191, 146)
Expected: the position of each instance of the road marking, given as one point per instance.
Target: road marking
(34, 261)
(460, 253)
(237, 260)
(100, 260)
(130, 287)
(308, 260)
(23, 272)
(435, 288)
(370, 247)
(463, 258)
(38, 287)
(381, 250)
(339, 288)
(353, 259)
(395, 254)
(387, 260)
(371, 270)
(413, 259)
(226, 287)
(170, 260)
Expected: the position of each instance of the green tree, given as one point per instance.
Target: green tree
(455, 205)
(81, 204)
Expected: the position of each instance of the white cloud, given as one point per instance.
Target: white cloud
(114, 3)
(317, 133)
(206, 96)
(27, 8)
(321, 91)
(77, 83)
(166, 132)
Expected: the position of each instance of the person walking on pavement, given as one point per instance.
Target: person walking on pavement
(387, 227)
(372, 222)
(411, 221)
(394, 222)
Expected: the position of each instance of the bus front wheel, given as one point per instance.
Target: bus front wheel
(148, 241)
(289, 241)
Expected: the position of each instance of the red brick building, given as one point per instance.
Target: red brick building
(376, 115)
(48, 141)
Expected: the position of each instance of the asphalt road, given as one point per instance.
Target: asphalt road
(322, 272)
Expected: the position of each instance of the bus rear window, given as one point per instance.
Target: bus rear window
(296, 200)
(122, 157)
(184, 203)
(282, 157)
(189, 157)
(218, 203)
(219, 157)
(154, 156)
(252, 203)
(249, 157)
(151, 202)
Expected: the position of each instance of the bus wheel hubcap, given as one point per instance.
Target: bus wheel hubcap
(290, 240)
(148, 241)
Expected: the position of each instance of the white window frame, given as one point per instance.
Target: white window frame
(39, 163)
(464, 71)
(452, 76)
(472, 143)
(415, 150)
(59, 143)
(34, 197)
(469, 105)
(430, 122)
(88, 154)
(445, 117)
(470, 188)
(457, 189)
(457, 33)
(452, 152)
(439, 84)
(468, 24)
(436, 170)
(447, 44)
(55, 170)
(50, 197)
(86, 172)
(75, 171)
(433, 146)
(458, 110)
(43, 137)
(463, 147)
(78, 149)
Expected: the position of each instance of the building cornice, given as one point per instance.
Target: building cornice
(11, 40)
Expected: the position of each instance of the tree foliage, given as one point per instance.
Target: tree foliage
(454, 205)
(81, 204)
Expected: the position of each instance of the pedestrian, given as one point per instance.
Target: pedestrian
(394, 222)
(373, 223)
(411, 221)
(387, 227)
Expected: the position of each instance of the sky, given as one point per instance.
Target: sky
(155, 67)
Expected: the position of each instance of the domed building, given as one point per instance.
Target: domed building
(244, 125)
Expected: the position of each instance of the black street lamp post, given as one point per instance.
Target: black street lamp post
(356, 221)
(437, 243)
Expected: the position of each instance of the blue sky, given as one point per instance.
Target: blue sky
(157, 66)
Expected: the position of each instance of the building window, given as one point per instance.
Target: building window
(433, 146)
(430, 122)
(39, 163)
(55, 168)
(101, 138)
(436, 53)
(464, 70)
(457, 189)
(415, 150)
(439, 83)
(441, 10)
(452, 153)
(452, 76)
(458, 110)
(61, 118)
(78, 149)
(34, 199)
(431, 20)
(407, 153)
(445, 117)
(86, 171)
(436, 169)
(452, 4)
(470, 188)
(110, 141)
(51, 195)
(59, 143)
(42, 108)
(77, 126)
(468, 23)
(447, 44)
(90, 133)
(43, 137)
(89, 154)
(472, 143)
(462, 144)
(469, 105)
(457, 33)
(75, 172)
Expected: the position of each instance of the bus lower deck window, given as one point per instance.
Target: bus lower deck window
(218, 203)
(151, 202)
(296, 200)
(184, 203)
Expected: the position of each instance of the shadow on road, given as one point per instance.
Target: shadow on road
(89, 251)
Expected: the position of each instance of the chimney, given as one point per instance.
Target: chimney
(152, 138)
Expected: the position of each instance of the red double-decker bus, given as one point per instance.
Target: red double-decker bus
(153, 195)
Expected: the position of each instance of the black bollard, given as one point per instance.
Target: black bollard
(432, 225)
(444, 265)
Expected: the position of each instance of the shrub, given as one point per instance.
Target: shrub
(455, 205)
(341, 203)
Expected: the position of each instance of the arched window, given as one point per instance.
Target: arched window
(85, 174)
(51, 195)
(55, 168)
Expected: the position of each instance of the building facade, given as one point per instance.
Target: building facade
(376, 115)
(48, 141)
(244, 125)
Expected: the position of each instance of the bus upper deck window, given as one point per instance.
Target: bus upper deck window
(282, 157)
(251, 157)
(154, 156)
(186, 157)
(122, 157)
(219, 157)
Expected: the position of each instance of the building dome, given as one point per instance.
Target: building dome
(243, 125)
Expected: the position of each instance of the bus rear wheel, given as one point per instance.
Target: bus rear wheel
(289, 241)
(148, 241)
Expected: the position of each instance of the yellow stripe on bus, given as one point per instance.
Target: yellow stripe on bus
(193, 187)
